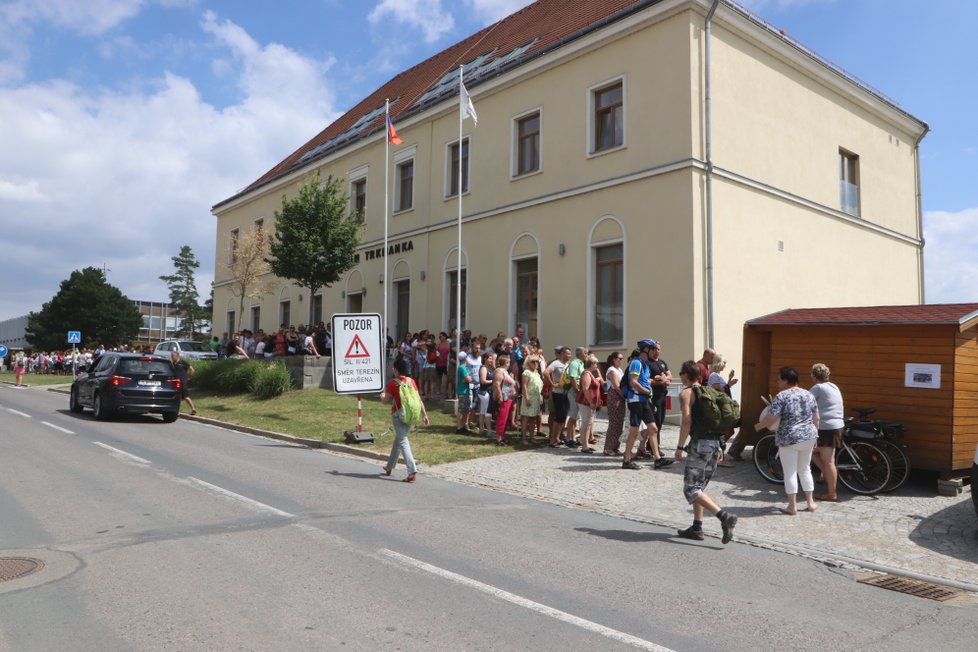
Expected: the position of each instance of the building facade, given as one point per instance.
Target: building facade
(665, 169)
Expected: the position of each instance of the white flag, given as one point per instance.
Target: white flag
(468, 110)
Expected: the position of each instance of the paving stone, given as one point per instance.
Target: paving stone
(900, 530)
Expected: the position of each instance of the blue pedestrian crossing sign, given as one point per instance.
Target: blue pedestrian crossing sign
(74, 337)
(3, 351)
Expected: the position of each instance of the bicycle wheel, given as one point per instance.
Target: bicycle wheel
(899, 463)
(766, 459)
(863, 467)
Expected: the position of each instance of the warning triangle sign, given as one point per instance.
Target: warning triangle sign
(357, 349)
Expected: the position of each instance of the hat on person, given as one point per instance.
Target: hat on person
(646, 344)
(462, 355)
(559, 348)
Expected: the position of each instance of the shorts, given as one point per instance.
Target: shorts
(442, 371)
(558, 407)
(428, 374)
(466, 402)
(830, 438)
(573, 407)
(640, 412)
(701, 462)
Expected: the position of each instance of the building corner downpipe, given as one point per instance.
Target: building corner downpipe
(708, 138)
(920, 213)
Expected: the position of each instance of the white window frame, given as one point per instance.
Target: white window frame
(449, 176)
(850, 161)
(590, 138)
(514, 170)
(402, 157)
(356, 176)
(233, 236)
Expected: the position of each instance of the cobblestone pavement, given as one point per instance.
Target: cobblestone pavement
(912, 531)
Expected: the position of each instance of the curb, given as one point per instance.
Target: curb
(281, 436)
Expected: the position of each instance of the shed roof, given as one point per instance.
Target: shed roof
(539, 28)
(963, 315)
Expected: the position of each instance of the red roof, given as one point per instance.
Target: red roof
(959, 314)
(535, 30)
(539, 28)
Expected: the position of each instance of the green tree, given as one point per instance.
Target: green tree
(183, 291)
(315, 236)
(86, 303)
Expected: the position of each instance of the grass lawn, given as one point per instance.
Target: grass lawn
(324, 415)
(35, 380)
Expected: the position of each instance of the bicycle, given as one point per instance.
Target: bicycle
(883, 435)
(863, 467)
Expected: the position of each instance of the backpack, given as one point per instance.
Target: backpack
(718, 412)
(410, 402)
(565, 380)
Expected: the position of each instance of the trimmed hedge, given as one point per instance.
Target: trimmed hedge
(263, 379)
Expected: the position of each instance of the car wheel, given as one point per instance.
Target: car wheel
(170, 417)
(99, 409)
(73, 403)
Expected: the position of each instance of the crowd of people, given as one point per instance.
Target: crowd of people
(287, 340)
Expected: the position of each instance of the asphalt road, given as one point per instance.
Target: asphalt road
(189, 537)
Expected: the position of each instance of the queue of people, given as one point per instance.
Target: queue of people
(314, 341)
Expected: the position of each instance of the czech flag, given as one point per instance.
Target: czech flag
(392, 132)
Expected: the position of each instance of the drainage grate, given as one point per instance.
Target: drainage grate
(12, 568)
(912, 587)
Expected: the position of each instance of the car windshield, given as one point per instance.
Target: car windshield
(193, 346)
(144, 366)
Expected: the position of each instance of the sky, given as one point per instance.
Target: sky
(122, 122)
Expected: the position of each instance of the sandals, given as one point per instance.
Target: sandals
(587, 450)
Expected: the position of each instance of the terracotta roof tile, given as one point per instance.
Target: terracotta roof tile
(542, 26)
(938, 313)
(531, 32)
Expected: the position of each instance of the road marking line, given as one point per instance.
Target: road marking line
(240, 498)
(124, 454)
(18, 412)
(614, 634)
(64, 430)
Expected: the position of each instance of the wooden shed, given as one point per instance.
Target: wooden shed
(916, 364)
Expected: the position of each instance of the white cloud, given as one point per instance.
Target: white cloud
(489, 11)
(124, 178)
(425, 15)
(90, 17)
(950, 264)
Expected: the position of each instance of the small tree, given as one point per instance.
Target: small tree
(315, 236)
(88, 304)
(183, 291)
(248, 267)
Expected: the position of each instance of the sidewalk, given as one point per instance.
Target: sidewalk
(912, 531)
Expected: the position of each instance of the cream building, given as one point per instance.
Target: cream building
(664, 169)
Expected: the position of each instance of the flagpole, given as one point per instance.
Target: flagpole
(458, 268)
(387, 157)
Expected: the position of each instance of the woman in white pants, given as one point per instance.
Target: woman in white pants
(796, 437)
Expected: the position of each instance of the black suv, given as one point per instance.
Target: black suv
(128, 382)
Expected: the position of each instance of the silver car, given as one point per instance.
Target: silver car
(187, 349)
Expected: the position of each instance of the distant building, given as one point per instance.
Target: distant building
(159, 323)
(633, 174)
(12, 333)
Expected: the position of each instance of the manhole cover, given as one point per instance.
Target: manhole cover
(912, 587)
(12, 568)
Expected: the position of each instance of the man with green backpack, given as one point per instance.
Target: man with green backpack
(706, 416)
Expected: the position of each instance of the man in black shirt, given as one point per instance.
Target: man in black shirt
(184, 372)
